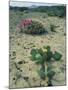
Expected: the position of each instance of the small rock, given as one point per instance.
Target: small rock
(41, 41)
(18, 44)
(26, 78)
(14, 53)
(14, 78)
(20, 62)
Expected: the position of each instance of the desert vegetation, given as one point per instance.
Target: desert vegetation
(37, 46)
(32, 27)
(40, 56)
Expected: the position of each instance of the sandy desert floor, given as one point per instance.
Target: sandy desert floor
(23, 71)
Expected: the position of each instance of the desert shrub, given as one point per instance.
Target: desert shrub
(18, 8)
(52, 28)
(32, 27)
(59, 11)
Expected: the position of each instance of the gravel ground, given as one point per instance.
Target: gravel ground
(23, 71)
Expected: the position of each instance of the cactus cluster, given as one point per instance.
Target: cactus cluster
(32, 27)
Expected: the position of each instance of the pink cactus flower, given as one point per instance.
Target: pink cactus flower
(25, 22)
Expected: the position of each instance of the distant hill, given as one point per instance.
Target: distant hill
(59, 11)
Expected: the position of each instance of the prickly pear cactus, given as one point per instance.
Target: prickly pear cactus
(42, 56)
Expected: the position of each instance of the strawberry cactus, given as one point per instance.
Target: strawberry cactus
(42, 56)
(30, 26)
